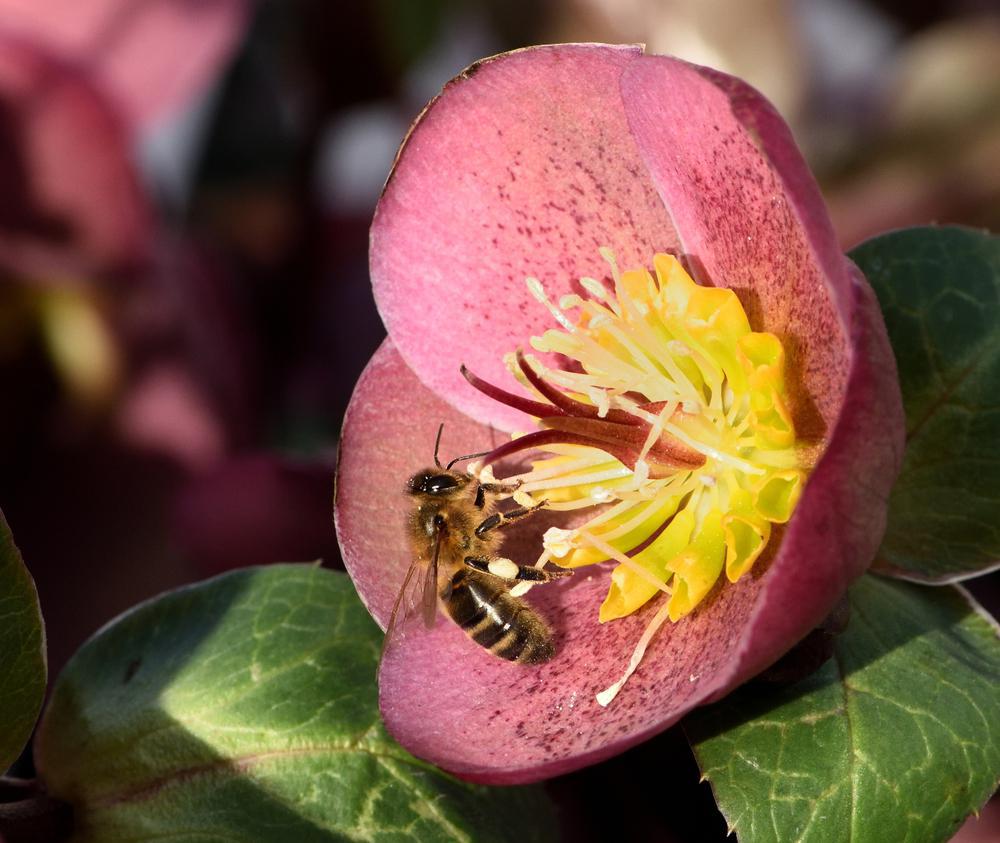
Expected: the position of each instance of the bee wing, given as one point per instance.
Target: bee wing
(404, 602)
(430, 590)
(419, 584)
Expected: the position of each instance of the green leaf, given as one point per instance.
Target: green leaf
(940, 293)
(897, 737)
(245, 708)
(22, 651)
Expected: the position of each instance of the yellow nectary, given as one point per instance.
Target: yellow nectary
(675, 418)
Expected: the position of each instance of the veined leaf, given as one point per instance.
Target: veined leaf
(22, 651)
(897, 737)
(940, 293)
(245, 708)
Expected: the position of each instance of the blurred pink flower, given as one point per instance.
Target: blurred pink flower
(72, 202)
(526, 165)
(78, 82)
(148, 56)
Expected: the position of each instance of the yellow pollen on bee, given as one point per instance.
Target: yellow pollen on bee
(522, 498)
(682, 364)
(521, 589)
(505, 568)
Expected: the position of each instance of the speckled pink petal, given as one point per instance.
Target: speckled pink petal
(749, 216)
(149, 55)
(523, 166)
(72, 204)
(388, 435)
(840, 519)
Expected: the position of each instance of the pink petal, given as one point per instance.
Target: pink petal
(749, 213)
(388, 435)
(150, 55)
(523, 166)
(73, 203)
(840, 519)
(751, 217)
(165, 411)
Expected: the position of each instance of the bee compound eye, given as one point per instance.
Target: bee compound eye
(439, 483)
(429, 483)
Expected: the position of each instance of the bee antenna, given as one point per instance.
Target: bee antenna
(437, 444)
(466, 457)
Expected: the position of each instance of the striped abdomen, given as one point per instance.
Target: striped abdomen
(506, 626)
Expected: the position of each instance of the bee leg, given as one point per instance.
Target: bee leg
(495, 489)
(499, 519)
(508, 569)
(501, 488)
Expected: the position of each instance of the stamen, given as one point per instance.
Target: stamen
(610, 514)
(605, 697)
(596, 289)
(612, 261)
(641, 472)
(523, 498)
(559, 542)
(568, 506)
(643, 512)
(582, 345)
(618, 556)
(538, 291)
(613, 473)
(713, 453)
(561, 400)
(656, 429)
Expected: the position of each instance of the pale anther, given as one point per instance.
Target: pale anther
(558, 542)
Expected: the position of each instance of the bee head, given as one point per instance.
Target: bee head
(435, 482)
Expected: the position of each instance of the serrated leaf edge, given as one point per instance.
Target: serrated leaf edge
(732, 824)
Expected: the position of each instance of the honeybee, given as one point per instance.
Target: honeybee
(454, 536)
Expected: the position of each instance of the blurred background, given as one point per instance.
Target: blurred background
(185, 192)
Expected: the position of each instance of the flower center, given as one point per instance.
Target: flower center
(673, 413)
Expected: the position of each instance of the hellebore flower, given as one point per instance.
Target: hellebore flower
(527, 166)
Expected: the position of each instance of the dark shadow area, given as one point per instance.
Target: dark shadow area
(649, 793)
